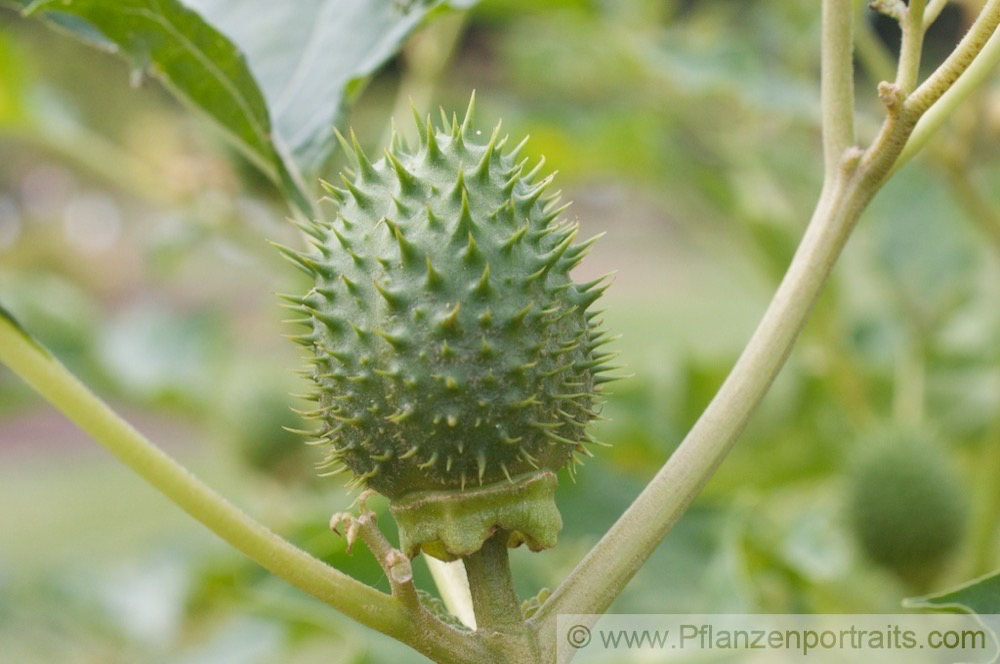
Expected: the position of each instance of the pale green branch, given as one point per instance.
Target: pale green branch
(976, 71)
(43, 372)
(837, 84)
(971, 46)
(911, 46)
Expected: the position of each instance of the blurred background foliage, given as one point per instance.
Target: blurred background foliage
(133, 242)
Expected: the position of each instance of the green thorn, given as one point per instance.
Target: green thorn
(527, 199)
(385, 455)
(450, 321)
(344, 242)
(482, 171)
(422, 131)
(559, 439)
(408, 183)
(519, 317)
(433, 221)
(530, 175)
(434, 279)
(458, 191)
(430, 462)
(481, 463)
(396, 341)
(523, 453)
(516, 237)
(310, 228)
(345, 146)
(396, 142)
(401, 207)
(352, 286)
(300, 261)
(407, 250)
(337, 194)
(512, 156)
(471, 254)
(470, 113)
(361, 198)
(367, 171)
(433, 149)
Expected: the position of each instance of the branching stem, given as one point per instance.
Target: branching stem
(390, 615)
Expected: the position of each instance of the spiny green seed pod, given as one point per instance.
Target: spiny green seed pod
(907, 505)
(456, 362)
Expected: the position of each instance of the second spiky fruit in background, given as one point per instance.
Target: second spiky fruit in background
(451, 348)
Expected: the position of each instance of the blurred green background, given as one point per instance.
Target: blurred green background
(134, 243)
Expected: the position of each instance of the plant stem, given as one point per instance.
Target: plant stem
(33, 363)
(837, 83)
(911, 46)
(962, 73)
(848, 188)
(497, 606)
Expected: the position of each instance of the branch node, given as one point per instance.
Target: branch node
(892, 96)
(892, 8)
(850, 160)
(393, 562)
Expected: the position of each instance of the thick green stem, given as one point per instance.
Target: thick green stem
(389, 615)
(497, 606)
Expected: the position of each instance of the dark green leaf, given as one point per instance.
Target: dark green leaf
(308, 56)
